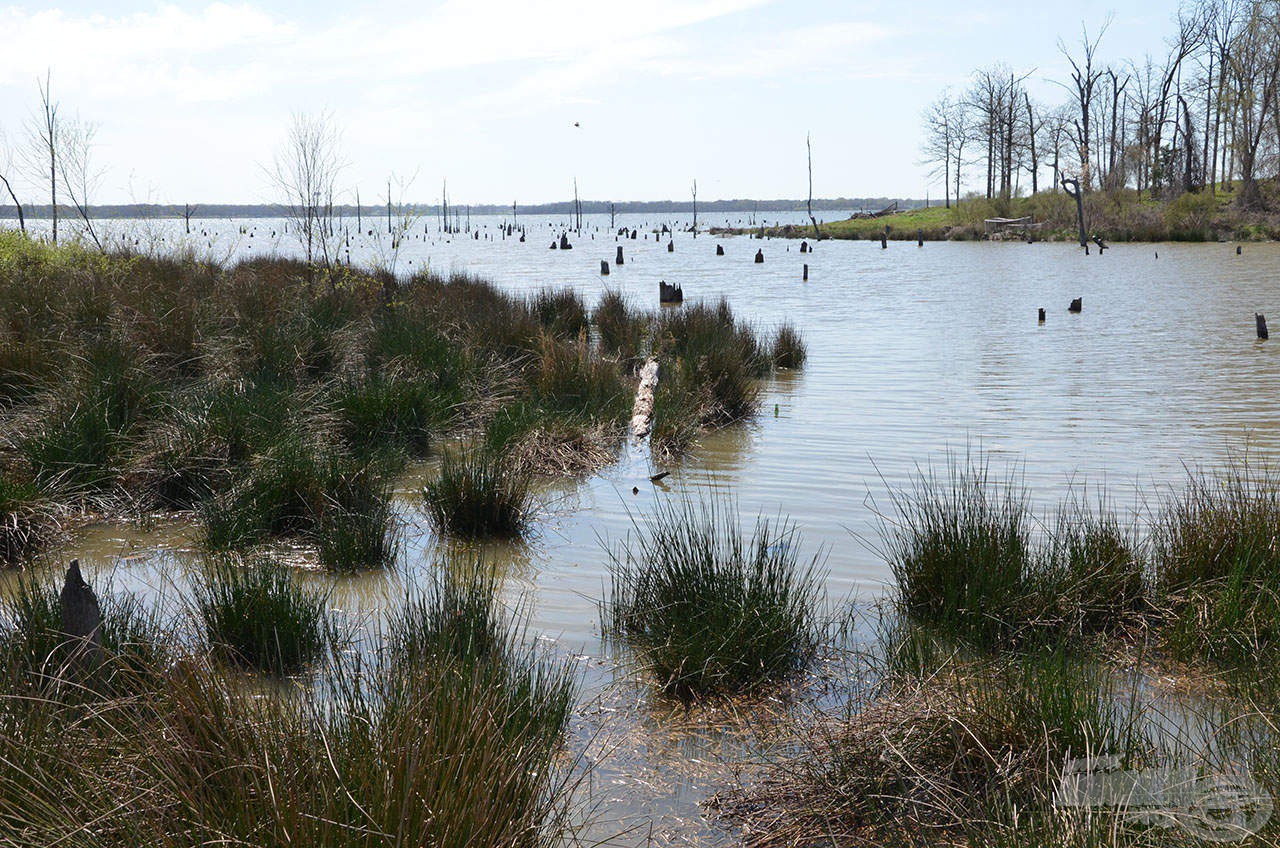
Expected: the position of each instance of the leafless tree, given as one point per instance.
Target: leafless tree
(1253, 68)
(941, 138)
(44, 138)
(1085, 75)
(305, 172)
(79, 176)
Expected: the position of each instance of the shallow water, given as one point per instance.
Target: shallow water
(913, 352)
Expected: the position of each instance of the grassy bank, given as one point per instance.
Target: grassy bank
(1120, 216)
(277, 401)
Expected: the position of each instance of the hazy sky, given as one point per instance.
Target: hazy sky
(192, 99)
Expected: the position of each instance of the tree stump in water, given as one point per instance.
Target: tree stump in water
(564, 242)
(671, 247)
(81, 618)
(760, 256)
(806, 272)
(1076, 305)
(668, 293)
(642, 409)
(1041, 317)
(884, 241)
(1260, 321)
(617, 260)
(553, 245)
(920, 238)
(1237, 250)
(719, 250)
(604, 268)
(804, 247)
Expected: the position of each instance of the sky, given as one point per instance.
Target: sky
(511, 100)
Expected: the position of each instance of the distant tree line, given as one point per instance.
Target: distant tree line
(1204, 115)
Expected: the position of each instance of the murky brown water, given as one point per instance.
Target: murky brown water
(912, 352)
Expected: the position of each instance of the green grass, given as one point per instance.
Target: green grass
(255, 614)
(709, 608)
(26, 520)
(788, 348)
(479, 493)
(622, 332)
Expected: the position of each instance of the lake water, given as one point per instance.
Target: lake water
(914, 353)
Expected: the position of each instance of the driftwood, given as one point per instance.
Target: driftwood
(81, 618)
(642, 410)
(1076, 305)
(668, 293)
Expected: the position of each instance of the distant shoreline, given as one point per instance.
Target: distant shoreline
(207, 211)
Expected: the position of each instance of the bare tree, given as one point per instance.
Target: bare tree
(79, 177)
(808, 145)
(1253, 65)
(305, 172)
(1084, 78)
(940, 141)
(44, 140)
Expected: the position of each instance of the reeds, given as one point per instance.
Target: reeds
(788, 349)
(709, 608)
(479, 493)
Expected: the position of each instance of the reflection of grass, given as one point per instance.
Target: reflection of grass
(710, 609)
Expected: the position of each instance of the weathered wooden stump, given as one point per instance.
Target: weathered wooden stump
(671, 247)
(719, 250)
(806, 272)
(760, 257)
(1102, 245)
(884, 240)
(920, 237)
(554, 245)
(617, 260)
(668, 293)
(604, 267)
(81, 617)
(804, 247)
(633, 235)
(1260, 321)
(1076, 305)
(564, 242)
(1238, 250)
(1042, 315)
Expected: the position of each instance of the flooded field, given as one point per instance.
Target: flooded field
(914, 353)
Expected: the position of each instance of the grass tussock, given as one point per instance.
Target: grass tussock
(255, 614)
(788, 348)
(965, 750)
(970, 559)
(480, 493)
(26, 519)
(709, 608)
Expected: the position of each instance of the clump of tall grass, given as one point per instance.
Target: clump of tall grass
(621, 332)
(715, 358)
(35, 652)
(561, 312)
(949, 751)
(26, 518)
(1093, 567)
(1216, 563)
(314, 493)
(959, 549)
(788, 349)
(254, 613)
(430, 756)
(709, 608)
(479, 493)
(458, 627)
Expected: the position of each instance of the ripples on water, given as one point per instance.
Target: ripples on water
(913, 352)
